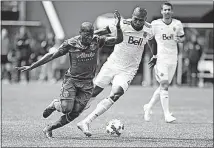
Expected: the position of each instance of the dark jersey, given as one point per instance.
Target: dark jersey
(83, 59)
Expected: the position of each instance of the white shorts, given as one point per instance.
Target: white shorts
(118, 77)
(164, 71)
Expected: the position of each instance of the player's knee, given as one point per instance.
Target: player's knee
(72, 115)
(164, 85)
(115, 97)
(116, 93)
(77, 110)
(67, 105)
(96, 91)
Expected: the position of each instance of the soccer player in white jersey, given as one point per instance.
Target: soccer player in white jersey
(167, 33)
(122, 64)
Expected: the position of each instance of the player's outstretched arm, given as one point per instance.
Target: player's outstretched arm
(45, 59)
(119, 36)
(42, 61)
(153, 48)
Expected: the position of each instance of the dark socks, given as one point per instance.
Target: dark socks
(61, 122)
(65, 119)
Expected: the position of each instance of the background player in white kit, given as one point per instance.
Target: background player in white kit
(167, 33)
(122, 64)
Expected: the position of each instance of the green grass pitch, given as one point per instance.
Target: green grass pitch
(22, 121)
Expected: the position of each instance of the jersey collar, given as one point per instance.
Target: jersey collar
(166, 23)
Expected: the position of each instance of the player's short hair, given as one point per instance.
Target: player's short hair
(140, 12)
(166, 3)
(87, 27)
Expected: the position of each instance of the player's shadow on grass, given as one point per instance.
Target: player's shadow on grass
(192, 123)
(106, 137)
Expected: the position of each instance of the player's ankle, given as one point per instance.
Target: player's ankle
(167, 114)
(149, 106)
(49, 128)
(84, 122)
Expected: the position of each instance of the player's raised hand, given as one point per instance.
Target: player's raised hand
(118, 17)
(23, 68)
(152, 62)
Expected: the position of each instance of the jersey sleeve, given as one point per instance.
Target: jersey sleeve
(101, 41)
(153, 28)
(149, 30)
(151, 34)
(64, 47)
(180, 31)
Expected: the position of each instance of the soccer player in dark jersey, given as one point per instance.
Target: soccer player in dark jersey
(77, 85)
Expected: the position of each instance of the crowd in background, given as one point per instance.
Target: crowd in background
(25, 49)
(192, 52)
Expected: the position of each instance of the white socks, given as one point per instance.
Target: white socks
(155, 98)
(102, 107)
(164, 97)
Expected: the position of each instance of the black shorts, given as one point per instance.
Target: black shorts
(79, 90)
(4, 59)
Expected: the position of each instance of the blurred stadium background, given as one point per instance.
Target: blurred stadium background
(48, 23)
(54, 21)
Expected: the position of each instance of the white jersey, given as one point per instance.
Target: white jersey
(164, 35)
(127, 55)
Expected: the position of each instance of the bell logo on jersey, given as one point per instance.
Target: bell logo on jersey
(134, 41)
(165, 37)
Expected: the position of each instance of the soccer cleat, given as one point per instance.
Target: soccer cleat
(169, 119)
(48, 133)
(147, 113)
(50, 109)
(84, 127)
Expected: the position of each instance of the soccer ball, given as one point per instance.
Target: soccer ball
(115, 127)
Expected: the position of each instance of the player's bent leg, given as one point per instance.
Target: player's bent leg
(67, 95)
(105, 104)
(61, 122)
(101, 108)
(66, 106)
(65, 119)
